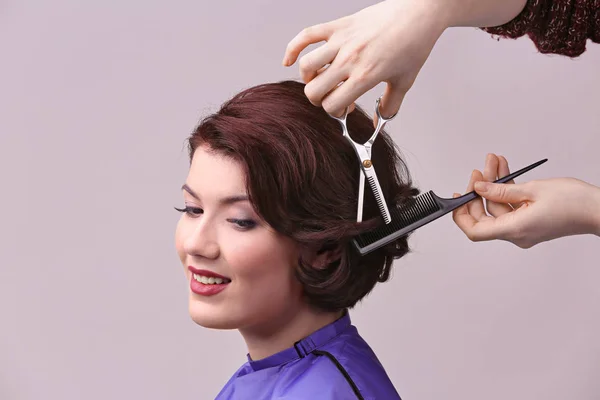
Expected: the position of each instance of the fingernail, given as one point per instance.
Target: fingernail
(482, 186)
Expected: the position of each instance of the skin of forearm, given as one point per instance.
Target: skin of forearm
(478, 13)
(597, 214)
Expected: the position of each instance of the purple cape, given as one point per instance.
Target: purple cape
(332, 363)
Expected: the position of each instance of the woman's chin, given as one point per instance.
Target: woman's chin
(211, 319)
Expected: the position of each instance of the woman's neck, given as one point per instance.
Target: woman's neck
(279, 334)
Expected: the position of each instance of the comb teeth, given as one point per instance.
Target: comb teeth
(414, 210)
(379, 200)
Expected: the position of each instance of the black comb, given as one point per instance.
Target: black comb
(419, 211)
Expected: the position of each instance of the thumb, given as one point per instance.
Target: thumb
(502, 193)
(390, 103)
(391, 100)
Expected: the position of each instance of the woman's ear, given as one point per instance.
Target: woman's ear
(324, 256)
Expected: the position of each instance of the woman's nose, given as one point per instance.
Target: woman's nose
(202, 241)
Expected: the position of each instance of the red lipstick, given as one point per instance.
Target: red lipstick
(206, 273)
(207, 289)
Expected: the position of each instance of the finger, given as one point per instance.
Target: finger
(308, 36)
(462, 209)
(490, 171)
(490, 174)
(504, 170)
(325, 82)
(489, 228)
(351, 107)
(503, 193)
(475, 207)
(313, 62)
(391, 100)
(344, 95)
(486, 228)
(462, 218)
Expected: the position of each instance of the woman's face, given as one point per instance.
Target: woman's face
(240, 272)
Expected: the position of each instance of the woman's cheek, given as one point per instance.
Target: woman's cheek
(248, 256)
(179, 240)
(260, 256)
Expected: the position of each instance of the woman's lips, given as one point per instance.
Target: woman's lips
(207, 273)
(207, 283)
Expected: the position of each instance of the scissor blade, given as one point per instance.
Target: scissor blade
(361, 196)
(378, 193)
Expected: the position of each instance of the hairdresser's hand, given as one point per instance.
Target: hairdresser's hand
(387, 42)
(529, 213)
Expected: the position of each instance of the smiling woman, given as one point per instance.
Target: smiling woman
(265, 241)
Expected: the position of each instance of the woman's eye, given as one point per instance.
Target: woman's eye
(191, 211)
(244, 224)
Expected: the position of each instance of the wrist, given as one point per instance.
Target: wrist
(596, 214)
(434, 13)
(477, 13)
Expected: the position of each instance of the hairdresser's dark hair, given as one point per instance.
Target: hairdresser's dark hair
(302, 179)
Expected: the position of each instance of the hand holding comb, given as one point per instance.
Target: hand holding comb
(420, 211)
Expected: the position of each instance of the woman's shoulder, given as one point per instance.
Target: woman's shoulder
(345, 367)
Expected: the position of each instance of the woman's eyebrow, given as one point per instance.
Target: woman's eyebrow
(225, 200)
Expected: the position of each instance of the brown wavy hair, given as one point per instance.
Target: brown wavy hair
(302, 179)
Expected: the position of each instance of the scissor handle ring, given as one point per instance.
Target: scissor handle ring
(343, 117)
(379, 116)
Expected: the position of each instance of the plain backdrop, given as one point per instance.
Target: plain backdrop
(96, 100)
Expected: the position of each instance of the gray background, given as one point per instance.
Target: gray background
(96, 100)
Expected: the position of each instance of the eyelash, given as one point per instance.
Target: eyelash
(190, 211)
(244, 224)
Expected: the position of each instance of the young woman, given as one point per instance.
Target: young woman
(265, 242)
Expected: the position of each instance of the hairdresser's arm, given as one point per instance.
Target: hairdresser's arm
(386, 42)
(529, 213)
(391, 40)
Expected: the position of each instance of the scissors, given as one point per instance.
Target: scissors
(363, 151)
